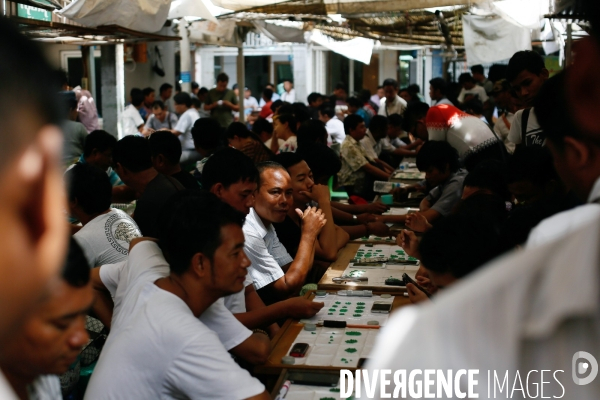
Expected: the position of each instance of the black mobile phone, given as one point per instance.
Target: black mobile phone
(381, 308)
(408, 279)
(313, 378)
(299, 350)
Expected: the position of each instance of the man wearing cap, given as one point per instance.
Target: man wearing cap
(506, 104)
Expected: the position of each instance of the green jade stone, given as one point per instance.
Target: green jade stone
(342, 313)
(332, 310)
(348, 302)
(350, 350)
(360, 303)
(335, 306)
(353, 333)
(334, 390)
(337, 302)
(360, 307)
(357, 315)
(326, 398)
(351, 341)
(359, 311)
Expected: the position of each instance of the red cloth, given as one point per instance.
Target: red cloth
(266, 112)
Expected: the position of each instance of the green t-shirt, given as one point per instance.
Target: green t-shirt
(222, 114)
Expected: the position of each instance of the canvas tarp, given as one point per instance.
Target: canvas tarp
(492, 38)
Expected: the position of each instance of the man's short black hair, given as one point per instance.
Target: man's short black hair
(414, 89)
(413, 113)
(351, 122)
(322, 161)
(196, 103)
(341, 85)
(167, 144)
(275, 105)
(395, 120)
(289, 119)
(159, 104)
(90, 186)
(477, 69)
(267, 93)
(228, 166)
(390, 82)
(288, 159)
(439, 84)
(147, 91)
(190, 223)
(164, 87)
(465, 77)
(237, 129)
(76, 270)
(438, 154)
(137, 97)
(532, 164)
(203, 90)
(490, 175)
(314, 96)
(300, 111)
(133, 153)
(222, 77)
(312, 131)
(99, 140)
(207, 133)
(526, 60)
(354, 102)
(183, 98)
(262, 125)
(195, 85)
(459, 244)
(327, 109)
(474, 106)
(556, 125)
(378, 123)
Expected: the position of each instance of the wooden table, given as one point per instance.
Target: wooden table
(281, 343)
(337, 268)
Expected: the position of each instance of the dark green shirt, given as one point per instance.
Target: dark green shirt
(222, 114)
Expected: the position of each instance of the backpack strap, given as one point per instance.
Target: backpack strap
(524, 120)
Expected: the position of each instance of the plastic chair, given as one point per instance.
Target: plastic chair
(334, 194)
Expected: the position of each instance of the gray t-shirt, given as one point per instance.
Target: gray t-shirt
(105, 239)
(444, 197)
(75, 134)
(169, 123)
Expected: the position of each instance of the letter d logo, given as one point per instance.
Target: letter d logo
(582, 367)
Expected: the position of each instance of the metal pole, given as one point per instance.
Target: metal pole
(351, 77)
(184, 56)
(241, 81)
(92, 73)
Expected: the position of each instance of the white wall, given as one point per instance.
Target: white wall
(388, 65)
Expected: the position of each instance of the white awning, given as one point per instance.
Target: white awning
(359, 49)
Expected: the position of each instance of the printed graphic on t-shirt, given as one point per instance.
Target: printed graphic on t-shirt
(535, 137)
(119, 232)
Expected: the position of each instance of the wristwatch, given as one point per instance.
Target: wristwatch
(354, 219)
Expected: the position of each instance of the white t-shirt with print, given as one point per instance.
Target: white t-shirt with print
(533, 130)
(185, 125)
(130, 120)
(105, 239)
(157, 348)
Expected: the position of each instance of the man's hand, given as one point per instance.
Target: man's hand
(409, 242)
(299, 307)
(376, 207)
(378, 229)
(388, 169)
(320, 194)
(313, 220)
(417, 222)
(415, 295)
(365, 218)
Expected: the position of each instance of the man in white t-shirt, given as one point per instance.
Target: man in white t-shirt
(289, 94)
(50, 341)
(391, 103)
(161, 347)
(132, 122)
(106, 232)
(527, 74)
(470, 89)
(183, 129)
(334, 127)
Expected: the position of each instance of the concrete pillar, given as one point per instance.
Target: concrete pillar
(350, 77)
(110, 112)
(388, 65)
(300, 69)
(207, 57)
(428, 74)
(184, 54)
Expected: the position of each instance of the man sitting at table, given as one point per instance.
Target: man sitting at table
(231, 176)
(166, 153)
(443, 178)
(276, 275)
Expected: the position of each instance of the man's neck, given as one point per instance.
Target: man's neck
(142, 179)
(18, 382)
(190, 290)
(288, 135)
(265, 222)
(171, 169)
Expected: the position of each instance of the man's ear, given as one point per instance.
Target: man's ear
(217, 189)
(583, 85)
(544, 73)
(200, 265)
(577, 154)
